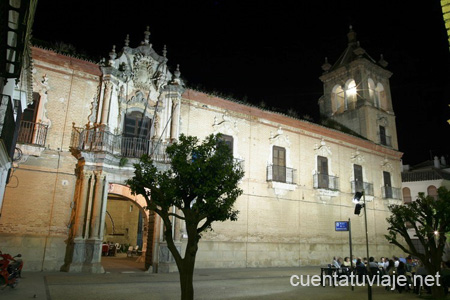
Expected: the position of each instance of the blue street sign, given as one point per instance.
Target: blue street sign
(341, 225)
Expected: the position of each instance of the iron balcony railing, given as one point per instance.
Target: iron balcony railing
(325, 181)
(359, 186)
(98, 140)
(32, 133)
(389, 192)
(280, 174)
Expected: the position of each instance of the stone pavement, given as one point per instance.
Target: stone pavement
(125, 279)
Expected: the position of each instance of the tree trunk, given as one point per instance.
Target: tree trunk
(150, 237)
(433, 267)
(186, 280)
(438, 291)
(187, 267)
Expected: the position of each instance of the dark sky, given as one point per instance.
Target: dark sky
(271, 52)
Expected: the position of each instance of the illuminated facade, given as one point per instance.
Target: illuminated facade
(299, 179)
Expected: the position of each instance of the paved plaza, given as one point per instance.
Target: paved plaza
(125, 279)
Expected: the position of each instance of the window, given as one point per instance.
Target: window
(357, 171)
(383, 140)
(228, 140)
(350, 94)
(432, 191)
(372, 93)
(337, 99)
(406, 195)
(279, 164)
(30, 132)
(381, 100)
(136, 134)
(137, 125)
(387, 184)
(322, 170)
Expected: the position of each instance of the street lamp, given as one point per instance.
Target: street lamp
(358, 206)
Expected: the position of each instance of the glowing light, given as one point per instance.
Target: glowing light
(351, 91)
(436, 232)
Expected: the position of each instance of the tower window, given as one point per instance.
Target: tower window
(337, 99)
(350, 95)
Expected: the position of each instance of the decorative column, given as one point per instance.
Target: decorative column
(175, 119)
(105, 105)
(94, 243)
(76, 247)
(97, 203)
(80, 225)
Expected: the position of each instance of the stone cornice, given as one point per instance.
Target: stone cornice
(314, 129)
(54, 58)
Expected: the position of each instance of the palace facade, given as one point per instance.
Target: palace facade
(88, 123)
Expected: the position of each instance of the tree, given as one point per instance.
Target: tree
(202, 183)
(429, 219)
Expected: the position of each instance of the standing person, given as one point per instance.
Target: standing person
(382, 265)
(401, 271)
(419, 277)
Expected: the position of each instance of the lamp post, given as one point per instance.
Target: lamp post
(358, 207)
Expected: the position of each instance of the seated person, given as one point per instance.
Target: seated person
(335, 263)
(347, 262)
(361, 269)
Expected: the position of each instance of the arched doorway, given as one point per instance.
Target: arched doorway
(126, 226)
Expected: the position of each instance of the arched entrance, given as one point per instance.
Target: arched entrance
(127, 225)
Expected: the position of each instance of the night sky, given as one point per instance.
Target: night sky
(270, 52)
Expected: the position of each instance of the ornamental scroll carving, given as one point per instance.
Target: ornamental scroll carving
(226, 124)
(386, 165)
(322, 149)
(280, 138)
(357, 158)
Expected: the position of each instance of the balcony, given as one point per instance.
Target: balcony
(7, 123)
(389, 192)
(280, 174)
(98, 140)
(325, 181)
(359, 186)
(32, 133)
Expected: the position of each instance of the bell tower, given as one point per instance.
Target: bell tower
(357, 94)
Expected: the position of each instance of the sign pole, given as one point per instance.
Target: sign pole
(369, 288)
(350, 243)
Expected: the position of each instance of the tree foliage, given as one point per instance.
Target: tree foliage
(202, 183)
(426, 219)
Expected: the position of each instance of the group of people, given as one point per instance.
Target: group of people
(385, 265)
(408, 267)
(110, 249)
